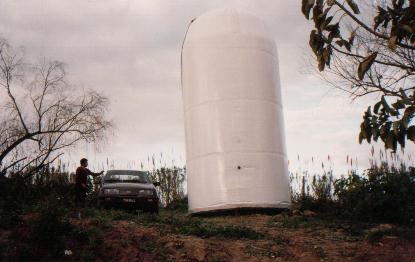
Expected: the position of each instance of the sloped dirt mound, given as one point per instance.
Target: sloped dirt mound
(387, 249)
(130, 241)
(126, 242)
(279, 238)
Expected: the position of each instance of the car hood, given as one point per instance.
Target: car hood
(128, 185)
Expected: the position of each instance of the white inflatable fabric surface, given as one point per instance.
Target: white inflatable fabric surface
(235, 141)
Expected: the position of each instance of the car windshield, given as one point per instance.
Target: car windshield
(114, 176)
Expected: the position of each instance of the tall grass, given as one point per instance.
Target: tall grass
(314, 178)
(383, 193)
(389, 181)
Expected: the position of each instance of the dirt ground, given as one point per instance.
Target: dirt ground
(282, 238)
(130, 241)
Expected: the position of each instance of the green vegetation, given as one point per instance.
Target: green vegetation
(171, 183)
(40, 218)
(176, 223)
(381, 194)
(385, 195)
(38, 213)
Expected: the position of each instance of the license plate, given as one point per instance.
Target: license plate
(128, 200)
(150, 200)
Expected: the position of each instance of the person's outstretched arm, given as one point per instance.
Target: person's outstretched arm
(94, 174)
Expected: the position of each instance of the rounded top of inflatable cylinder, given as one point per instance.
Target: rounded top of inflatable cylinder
(229, 28)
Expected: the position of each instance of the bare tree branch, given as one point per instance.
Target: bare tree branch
(58, 116)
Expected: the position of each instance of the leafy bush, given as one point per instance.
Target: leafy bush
(52, 223)
(382, 195)
(40, 235)
(48, 233)
(9, 210)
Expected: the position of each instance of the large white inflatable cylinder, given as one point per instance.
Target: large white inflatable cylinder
(235, 142)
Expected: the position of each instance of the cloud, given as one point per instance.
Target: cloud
(130, 51)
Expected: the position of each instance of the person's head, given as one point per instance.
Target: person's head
(84, 162)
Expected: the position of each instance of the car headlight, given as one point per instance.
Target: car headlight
(111, 191)
(145, 192)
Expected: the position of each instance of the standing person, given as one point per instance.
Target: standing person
(81, 180)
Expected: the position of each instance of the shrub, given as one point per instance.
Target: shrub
(9, 209)
(51, 225)
(382, 195)
(171, 183)
(322, 187)
(179, 205)
(319, 193)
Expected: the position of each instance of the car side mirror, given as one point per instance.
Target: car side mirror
(156, 183)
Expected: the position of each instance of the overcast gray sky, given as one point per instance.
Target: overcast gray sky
(130, 51)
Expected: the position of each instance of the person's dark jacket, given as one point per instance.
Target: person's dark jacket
(81, 178)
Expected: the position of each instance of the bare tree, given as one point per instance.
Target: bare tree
(42, 113)
(375, 58)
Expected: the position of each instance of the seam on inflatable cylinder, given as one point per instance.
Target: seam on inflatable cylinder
(181, 51)
(275, 58)
(232, 99)
(191, 158)
(181, 75)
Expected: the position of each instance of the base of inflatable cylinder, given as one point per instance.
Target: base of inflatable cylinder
(241, 209)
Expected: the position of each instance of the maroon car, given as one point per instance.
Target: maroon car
(128, 189)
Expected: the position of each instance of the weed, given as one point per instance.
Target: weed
(179, 205)
(177, 223)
